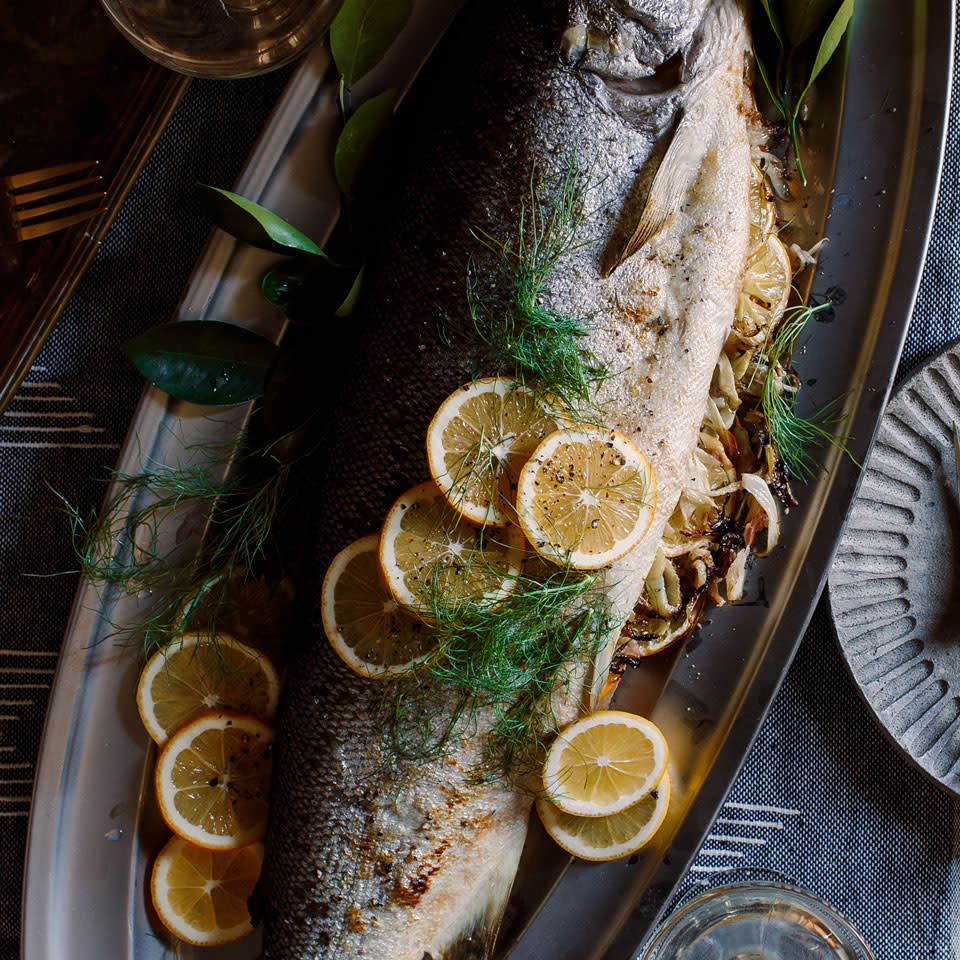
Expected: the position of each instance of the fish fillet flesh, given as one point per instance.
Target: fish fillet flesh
(370, 855)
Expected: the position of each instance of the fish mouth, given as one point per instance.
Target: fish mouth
(665, 79)
(633, 55)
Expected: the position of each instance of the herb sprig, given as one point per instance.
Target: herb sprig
(509, 659)
(122, 545)
(793, 25)
(533, 343)
(793, 435)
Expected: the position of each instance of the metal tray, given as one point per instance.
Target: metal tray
(882, 160)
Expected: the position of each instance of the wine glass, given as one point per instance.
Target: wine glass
(221, 38)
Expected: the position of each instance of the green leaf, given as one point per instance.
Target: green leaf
(774, 21)
(762, 70)
(253, 224)
(803, 17)
(203, 361)
(282, 284)
(361, 33)
(311, 293)
(828, 46)
(360, 136)
(349, 303)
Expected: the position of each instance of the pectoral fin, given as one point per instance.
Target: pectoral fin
(677, 173)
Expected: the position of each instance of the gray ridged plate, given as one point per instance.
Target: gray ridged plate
(893, 586)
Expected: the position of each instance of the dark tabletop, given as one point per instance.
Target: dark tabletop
(824, 798)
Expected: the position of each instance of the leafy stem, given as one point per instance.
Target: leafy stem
(124, 545)
(792, 26)
(793, 435)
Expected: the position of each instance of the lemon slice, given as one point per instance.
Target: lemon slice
(213, 778)
(430, 554)
(479, 440)
(370, 632)
(196, 673)
(613, 836)
(763, 214)
(586, 497)
(604, 763)
(201, 895)
(766, 288)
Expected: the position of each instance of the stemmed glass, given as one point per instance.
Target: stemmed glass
(221, 38)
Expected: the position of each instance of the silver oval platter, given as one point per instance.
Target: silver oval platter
(893, 586)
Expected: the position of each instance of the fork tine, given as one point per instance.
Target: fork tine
(34, 230)
(20, 216)
(22, 199)
(19, 180)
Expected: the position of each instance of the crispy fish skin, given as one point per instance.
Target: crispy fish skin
(368, 855)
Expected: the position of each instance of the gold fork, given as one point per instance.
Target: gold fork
(26, 217)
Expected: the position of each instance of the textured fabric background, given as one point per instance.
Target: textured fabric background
(823, 798)
(65, 427)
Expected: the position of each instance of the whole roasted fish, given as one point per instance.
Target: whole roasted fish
(370, 855)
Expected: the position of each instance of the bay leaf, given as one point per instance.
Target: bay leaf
(774, 20)
(311, 294)
(362, 32)
(349, 303)
(203, 361)
(803, 17)
(360, 136)
(254, 224)
(764, 76)
(828, 46)
(283, 283)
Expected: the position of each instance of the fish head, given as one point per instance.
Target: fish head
(636, 54)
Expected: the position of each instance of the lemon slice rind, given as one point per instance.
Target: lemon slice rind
(478, 441)
(171, 914)
(611, 837)
(214, 672)
(765, 292)
(386, 623)
(586, 497)
(604, 763)
(428, 552)
(763, 213)
(224, 786)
